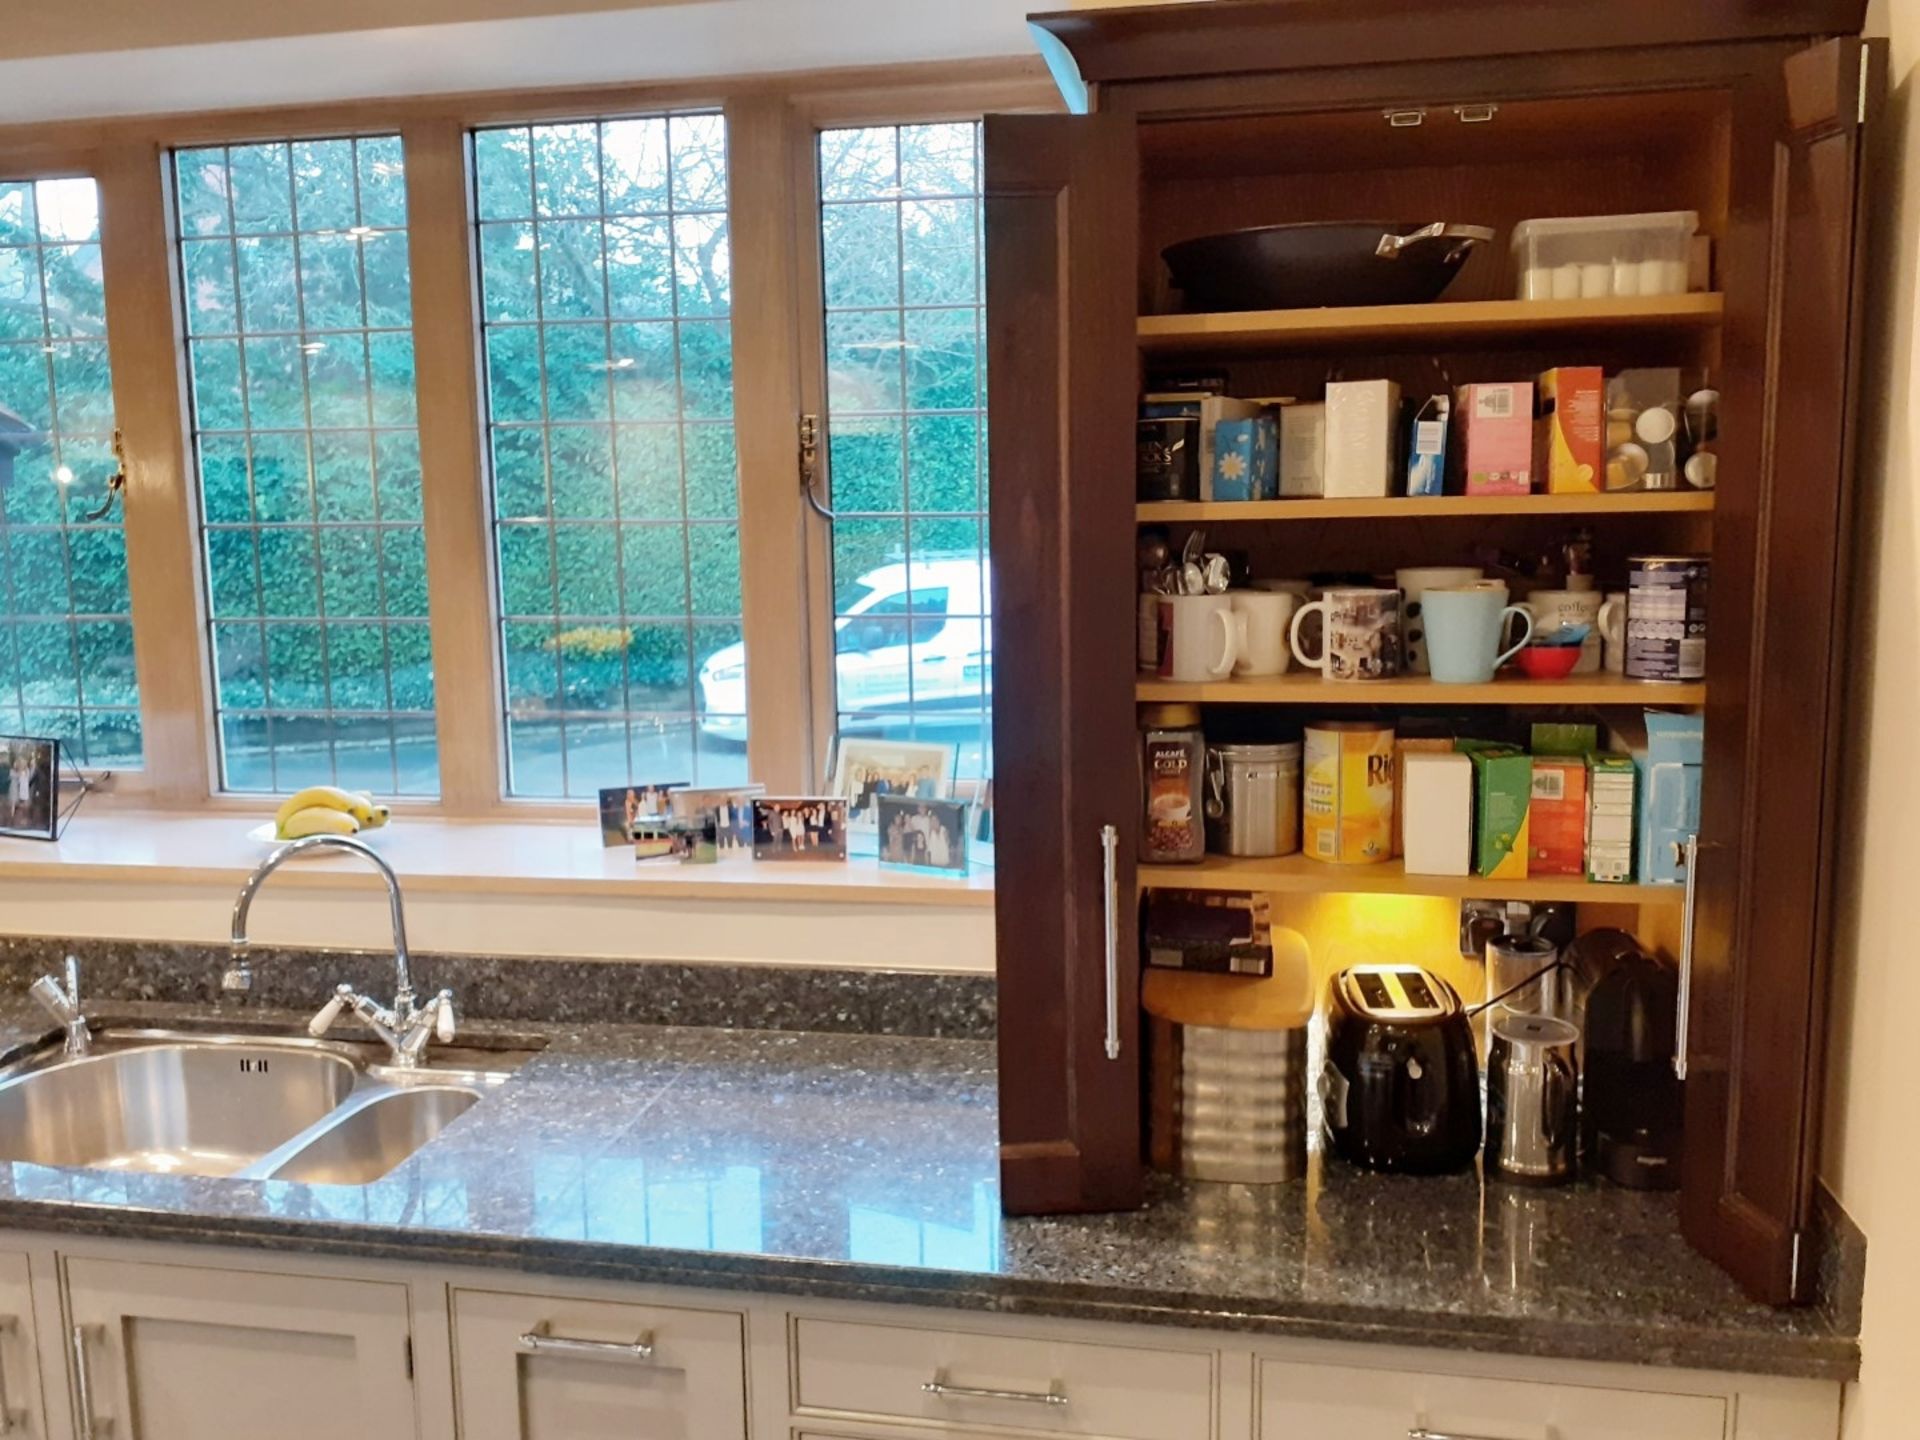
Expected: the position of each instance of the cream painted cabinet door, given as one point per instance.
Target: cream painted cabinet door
(177, 1352)
(22, 1416)
(531, 1367)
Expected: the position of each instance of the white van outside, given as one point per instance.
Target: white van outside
(918, 635)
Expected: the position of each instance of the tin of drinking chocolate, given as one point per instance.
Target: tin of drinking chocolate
(1666, 617)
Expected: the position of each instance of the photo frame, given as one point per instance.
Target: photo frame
(800, 827)
(731, 807)
(30, 787)
(980, 826)
(865, 768)
(621, 805)
(924, 835)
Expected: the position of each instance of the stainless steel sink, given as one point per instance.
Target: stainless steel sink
(375, 1137)
(168, 1102)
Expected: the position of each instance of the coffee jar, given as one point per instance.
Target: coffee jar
(1253, 799)
(1172, 763)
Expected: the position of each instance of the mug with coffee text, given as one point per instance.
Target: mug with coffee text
(1558, 609)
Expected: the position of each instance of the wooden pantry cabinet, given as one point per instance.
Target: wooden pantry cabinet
(1199, 119)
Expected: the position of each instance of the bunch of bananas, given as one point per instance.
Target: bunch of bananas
(328, 810)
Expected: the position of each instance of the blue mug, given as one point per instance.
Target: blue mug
(1464, 627)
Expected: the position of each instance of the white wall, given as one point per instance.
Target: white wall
(1872, 1149)
(656, 42)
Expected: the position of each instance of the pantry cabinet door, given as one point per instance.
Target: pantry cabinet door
(533, 1367)
(1777, 664)
(1062, 220)
(175, 1352)
(21, 1411)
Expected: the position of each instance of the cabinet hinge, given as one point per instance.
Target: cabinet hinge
(409, 1348)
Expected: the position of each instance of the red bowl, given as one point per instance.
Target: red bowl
(1548, 662)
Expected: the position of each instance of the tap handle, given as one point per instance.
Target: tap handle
(73, 980)
(330, 1012)
(443, 1019)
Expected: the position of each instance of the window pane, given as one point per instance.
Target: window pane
(606, 296)
(66, 644)
(298, 308)
(906, 400)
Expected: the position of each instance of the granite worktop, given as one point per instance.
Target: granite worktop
(863, 1167)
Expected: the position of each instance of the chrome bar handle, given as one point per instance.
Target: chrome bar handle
(1683, 1008)
(541, 1340)
(86, 1427)
(1110, 861)
(1420, 1432)
(9, 1327)
(941, 1390)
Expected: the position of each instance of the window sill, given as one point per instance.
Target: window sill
(453, 857)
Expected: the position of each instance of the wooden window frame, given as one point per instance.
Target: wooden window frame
(786, 575)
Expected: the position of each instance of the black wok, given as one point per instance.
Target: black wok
(1294, 267)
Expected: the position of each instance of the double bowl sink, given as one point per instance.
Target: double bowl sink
(177, 1102)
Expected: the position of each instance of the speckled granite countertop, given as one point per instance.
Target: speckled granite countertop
(863, 1168)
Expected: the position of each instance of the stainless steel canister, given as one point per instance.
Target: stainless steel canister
(1227, 1104)
(1253, 799)
(1533, 1086)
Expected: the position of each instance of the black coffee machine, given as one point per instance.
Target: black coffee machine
(1400, 1089)
(1633, 1103)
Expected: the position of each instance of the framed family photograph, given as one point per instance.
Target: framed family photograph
(29, 787)
(624, 804)
(802, 828)
(865, 769)
(922, 834)
(730, 806)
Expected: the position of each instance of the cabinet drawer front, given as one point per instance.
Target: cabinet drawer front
(617, 1371)
(1305, 1402)
(1108, 1390)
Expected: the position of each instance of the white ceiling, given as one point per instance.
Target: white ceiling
(660, 42)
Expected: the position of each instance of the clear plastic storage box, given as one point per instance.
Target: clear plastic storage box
(1590, 257)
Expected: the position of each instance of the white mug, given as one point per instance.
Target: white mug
(1613, 631)
(1556, 609)
(1413, 583)
(1197, 637)
(1147, 628)
(1260, 620)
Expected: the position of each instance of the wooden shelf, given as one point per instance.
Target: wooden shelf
(1298, 875)
(1436, 324)
(1306, 687)
(1435, 507)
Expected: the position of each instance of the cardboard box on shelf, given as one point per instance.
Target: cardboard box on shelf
(1436, 793)
(1557, 816)
(1303, 452)
(1427, 446)
(1363, 423)
(1667, 749)
(1611, 784)
(1497, 455)
(1402, 746)
(1570, 429)
(1502, 795)
(1244, 463)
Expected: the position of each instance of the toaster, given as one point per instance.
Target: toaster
(1400, 1087)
